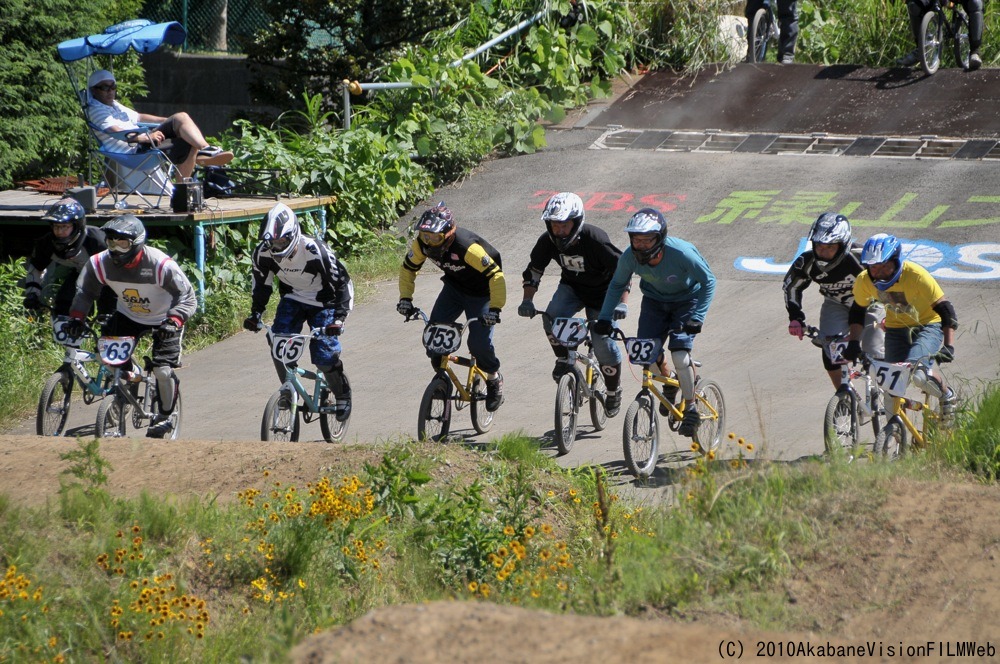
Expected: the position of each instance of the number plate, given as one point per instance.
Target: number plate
(835, 350)
(287, 348)
(642, 351)
(569, 332)
(59, 333)
(893, 378)
(443, 338)
(115, 351)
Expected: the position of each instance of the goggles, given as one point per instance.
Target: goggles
(119, 245)
(279, 244)
(431, 239)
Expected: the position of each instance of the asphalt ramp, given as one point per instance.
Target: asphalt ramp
(803, 99)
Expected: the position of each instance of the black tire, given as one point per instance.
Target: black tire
(278, 423)
(961, 48)
(482, 419)
(709, 433)
(759, 36)
(434, 419)
(840, 424)
(929, 44)
(54, 404)
(598, 411)
(112, 420)
(175, 416)
(333, 429)
(641, 436)
(566, 412)
(892, 442)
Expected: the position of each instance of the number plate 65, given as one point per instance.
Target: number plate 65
(642, 351)
(443, 338)
(287, 348)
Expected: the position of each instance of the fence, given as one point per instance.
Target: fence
(220, 26)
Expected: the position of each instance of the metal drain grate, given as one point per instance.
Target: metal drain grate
(711, 140)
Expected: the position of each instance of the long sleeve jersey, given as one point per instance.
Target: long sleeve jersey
(836, 285)
(470, 264)
(311, 274)
(587, 266)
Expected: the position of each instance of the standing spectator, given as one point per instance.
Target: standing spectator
(788, 27)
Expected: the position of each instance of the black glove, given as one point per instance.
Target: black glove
(621, 311)
(252, 322)
(75, 327)
(603, 328)
(33, 300)
(490, 318)
(852, 352)
(405, 306)
(946, 354)
(692, 327)
(167, 329)
(335, 329)
(527, 309)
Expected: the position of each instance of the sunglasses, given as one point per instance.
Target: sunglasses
(106, 87)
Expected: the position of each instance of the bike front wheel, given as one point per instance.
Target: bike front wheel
(482, 419)
(760, 33)
(280, 423)
(54, 404)
(333, 429)
(111, 418)
(840, 424)
(960, 31)
(598, 393)
(930, 42)
(712, 409)
(434, 419)
(641, 436)
(564, 431)
(891, 442)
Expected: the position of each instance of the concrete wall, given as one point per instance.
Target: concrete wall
(212, 89)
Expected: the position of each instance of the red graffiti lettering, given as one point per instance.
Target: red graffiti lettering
(609, 201)
(663, 202)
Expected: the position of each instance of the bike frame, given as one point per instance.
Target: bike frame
(587, 361)
(311, 403)
(463, 393)
(75, 359)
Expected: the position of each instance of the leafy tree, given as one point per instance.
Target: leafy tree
(317, 43)
(41, 131)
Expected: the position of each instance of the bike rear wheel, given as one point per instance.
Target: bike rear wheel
(960, 32)
(111, 418)
(930, 42)
(712, 408)
(278, 422)
(434, 419)
(598, 393)
(482, 419)
(641, 436)
(564, 431)
(891, 442)
(760, 34)
(840, 424)
(54, 404)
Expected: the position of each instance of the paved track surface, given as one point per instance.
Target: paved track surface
(774, 385)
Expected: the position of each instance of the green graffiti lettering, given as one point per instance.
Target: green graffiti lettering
(959, 223)
(739, 205)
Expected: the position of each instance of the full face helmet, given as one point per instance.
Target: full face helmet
(281, 232)
(67, 212)
(882, 248)
(435, 230)
(831, 228)
(645, 222)
(563, 207)
(126, 237)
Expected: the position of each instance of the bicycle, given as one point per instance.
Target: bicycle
(581, 381)
(130, 391)
(849, 408)
(56, 398)
(936, 28)
(763, 29)
(895, 378)
(640, 432)
(280, 421)
(434, 418)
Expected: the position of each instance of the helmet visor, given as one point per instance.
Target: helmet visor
(119, 245)
(431, 239)
(280, 244)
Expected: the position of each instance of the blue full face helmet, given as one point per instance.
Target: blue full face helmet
(882, 248)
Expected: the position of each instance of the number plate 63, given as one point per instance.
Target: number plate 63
(115, 351)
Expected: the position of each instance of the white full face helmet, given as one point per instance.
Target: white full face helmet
(831, 228)
(647, 221)
(281, 232)
(565, 206)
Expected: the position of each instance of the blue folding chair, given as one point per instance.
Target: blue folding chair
(122, 166)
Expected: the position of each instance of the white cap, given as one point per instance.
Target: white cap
(99, 77)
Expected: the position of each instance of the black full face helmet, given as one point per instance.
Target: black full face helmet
(126, 236)
(562, 207)
(435, 230)
(647, 221)
(68, 211)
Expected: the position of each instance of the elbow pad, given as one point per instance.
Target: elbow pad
(531, 278)
(856, 316)
(946, 311)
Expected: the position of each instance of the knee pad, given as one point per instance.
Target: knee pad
(684, 370)
(928, 383)
(166, 388)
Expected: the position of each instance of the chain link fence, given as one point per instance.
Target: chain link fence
(216, 26)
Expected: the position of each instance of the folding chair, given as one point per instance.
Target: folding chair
(147, 174)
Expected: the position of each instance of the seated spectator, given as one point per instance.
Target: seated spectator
(106, 114)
